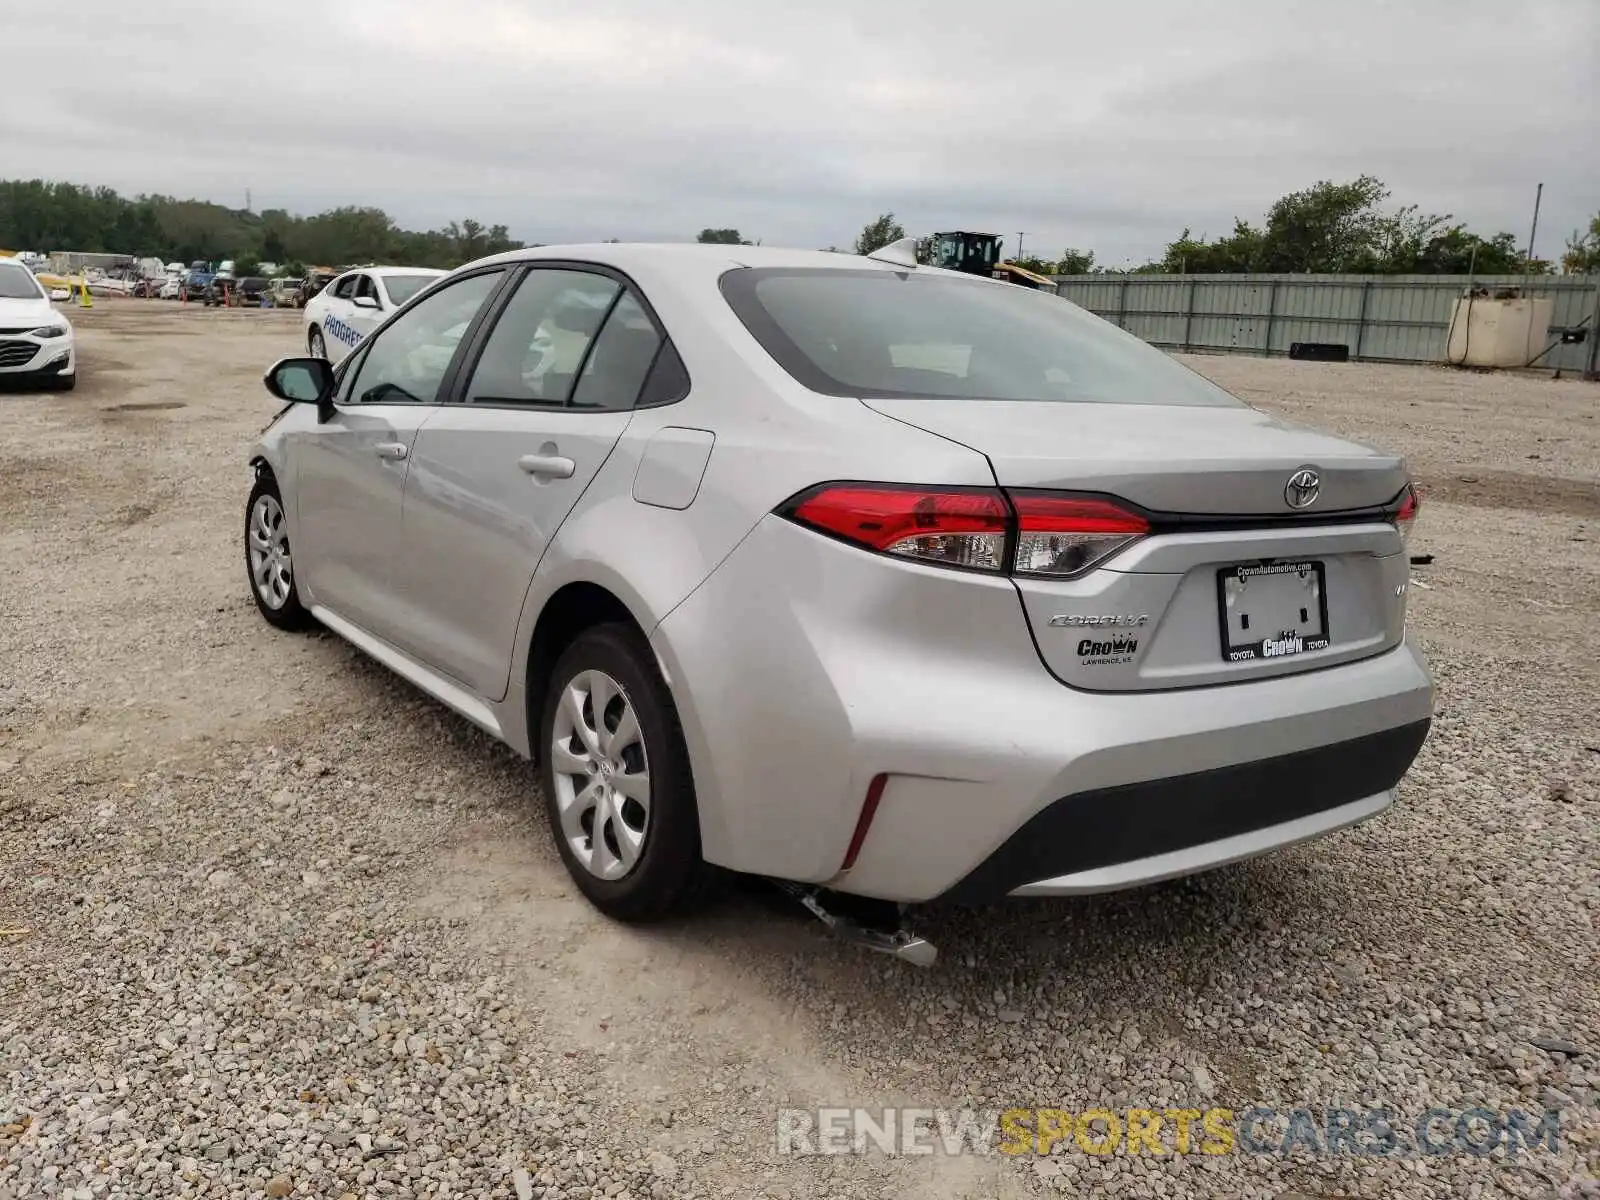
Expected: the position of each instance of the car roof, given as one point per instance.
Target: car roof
(694, 257)
(385, 272)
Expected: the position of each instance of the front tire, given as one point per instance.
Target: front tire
(63, 383)
(315, 344)
(617, 784)
(266, 557)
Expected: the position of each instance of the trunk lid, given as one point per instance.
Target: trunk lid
(1175, 609)
(1168, 458)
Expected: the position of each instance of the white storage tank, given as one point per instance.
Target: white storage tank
(1487, 331)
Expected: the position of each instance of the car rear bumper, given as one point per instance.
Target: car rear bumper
(804, 669)
(1137, 833)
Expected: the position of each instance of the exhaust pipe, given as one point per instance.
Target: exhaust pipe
(899, 941)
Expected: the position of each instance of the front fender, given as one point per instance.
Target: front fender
(270, 452)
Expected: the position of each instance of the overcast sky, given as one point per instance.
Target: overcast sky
(1107, 125)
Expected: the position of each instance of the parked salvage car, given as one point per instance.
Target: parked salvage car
(878, 579)
(286, 293)
(342, 314)
(314, 282)
(197, 282)
(37, 345)
(248, 291)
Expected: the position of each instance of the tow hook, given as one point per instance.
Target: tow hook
(887, 936)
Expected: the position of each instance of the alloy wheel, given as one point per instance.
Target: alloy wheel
(271, 569)
(602, 775)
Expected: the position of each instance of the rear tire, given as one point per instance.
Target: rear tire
(634, 861)
(268, 564)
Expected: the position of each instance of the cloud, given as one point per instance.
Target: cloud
(1110, 127)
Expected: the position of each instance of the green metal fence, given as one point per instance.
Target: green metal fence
(1380, 318)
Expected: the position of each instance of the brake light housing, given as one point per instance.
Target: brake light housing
(1063, 536)
(952, 527)
(1405, 513)
(1053, 535)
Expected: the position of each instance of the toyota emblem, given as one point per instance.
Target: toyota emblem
(1303, 488)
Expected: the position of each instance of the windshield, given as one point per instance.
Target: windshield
(18, 283)
(898, 334)
(402, 287)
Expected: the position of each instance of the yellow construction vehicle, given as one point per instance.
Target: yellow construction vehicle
(979, 254)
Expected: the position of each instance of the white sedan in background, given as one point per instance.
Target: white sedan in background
(36, 344)
(340, 316)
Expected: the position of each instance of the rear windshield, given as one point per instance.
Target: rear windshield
(907, 334)
(402, 287)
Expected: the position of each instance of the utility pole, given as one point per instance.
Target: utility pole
(1020, 236)
(1527, 260)
(247, 200)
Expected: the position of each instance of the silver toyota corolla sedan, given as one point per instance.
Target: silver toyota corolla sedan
(872, 578)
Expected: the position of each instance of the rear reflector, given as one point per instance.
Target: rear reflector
(1063, 536)
(869, 809)
(953, 527)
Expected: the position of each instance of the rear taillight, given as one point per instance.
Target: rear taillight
(981, 529)
(953, 527)
(1064, 536)
(1405, 516)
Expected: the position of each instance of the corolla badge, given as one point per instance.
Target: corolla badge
(1075, 621)
(1303, 488)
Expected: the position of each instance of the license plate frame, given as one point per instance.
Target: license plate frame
(1274, 643)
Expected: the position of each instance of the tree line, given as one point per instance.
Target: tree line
(39, 215)
(1327, 227)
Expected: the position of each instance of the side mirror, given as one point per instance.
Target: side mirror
(366, 302)
(300, 380)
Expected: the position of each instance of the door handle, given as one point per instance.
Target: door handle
(552, 465)
(393, 451)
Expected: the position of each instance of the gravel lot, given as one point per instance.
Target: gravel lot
(272, 923)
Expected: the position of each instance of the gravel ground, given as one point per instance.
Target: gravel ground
(274, 924)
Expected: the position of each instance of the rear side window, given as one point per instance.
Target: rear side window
(621, 358)
(541, 339)
(902, 334)
(402, 287)
(668, 381)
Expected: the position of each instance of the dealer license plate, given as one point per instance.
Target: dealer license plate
(1272, 610)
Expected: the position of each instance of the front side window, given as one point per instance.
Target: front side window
(18, 283)
(406, 360)
(541, 338)
(345, 288)
(898, 334)
(365, 287)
